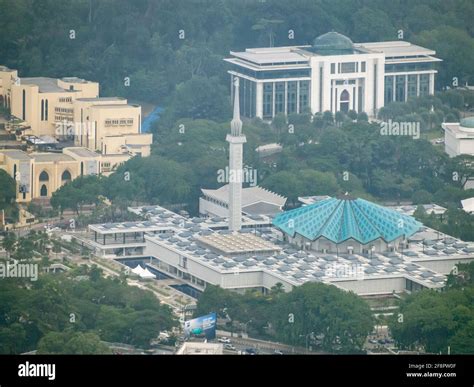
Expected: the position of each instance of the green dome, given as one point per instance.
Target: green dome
(467, 122)
(333, 43)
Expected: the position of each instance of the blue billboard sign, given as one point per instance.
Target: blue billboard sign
(204, 325)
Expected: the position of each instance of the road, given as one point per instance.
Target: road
(262, 346)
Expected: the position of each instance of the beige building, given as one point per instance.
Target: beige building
(44, 102)
(7, 79)
(106, 131)
(38, 175)
(71, 108)
(110, 126)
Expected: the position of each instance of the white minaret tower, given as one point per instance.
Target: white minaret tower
(236, 140)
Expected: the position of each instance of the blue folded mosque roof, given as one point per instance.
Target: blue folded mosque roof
(342, 219)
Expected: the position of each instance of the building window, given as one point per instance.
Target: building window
(388, 89)
(400, 88)
(24, 105)
(424, 84)
(43, 191)
(333, 68)
(42, 110)
(348, 67)
(291, 97)
(66, 177)
(344, 101)
(304, 95)
(362, 67)
(267, 100)
(279, 97)
(44, 176)
(247, 98)
(46, 110)
(412, 85)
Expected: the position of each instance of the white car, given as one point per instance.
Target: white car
(229, 347)
(224, 340)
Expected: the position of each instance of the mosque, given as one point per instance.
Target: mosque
(348, 242)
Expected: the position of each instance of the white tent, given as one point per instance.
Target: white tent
(143, 273)
(147, 274)
(138, 270)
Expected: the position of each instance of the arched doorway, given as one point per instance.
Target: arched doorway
(43, 183)
(344, 101)
(44, 191)
(66, 177)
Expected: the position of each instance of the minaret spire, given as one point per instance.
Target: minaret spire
(236, 140)
(236, 123)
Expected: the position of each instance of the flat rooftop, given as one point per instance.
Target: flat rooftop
(237, 243)
(116, 106)
(48, 157)
(300, 55)
(45, 85)
(271, 55)
(100, 99)
(73, 80)
(83, 152)
(15, 154)
(250, 195)
(396, 48)
(192, 348)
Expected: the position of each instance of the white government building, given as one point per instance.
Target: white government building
(333, 74)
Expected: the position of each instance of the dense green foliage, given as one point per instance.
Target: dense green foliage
(340, 320)
(436, 320)
(159, 44)
(62, 314)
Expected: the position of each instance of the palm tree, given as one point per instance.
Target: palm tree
(268, 26)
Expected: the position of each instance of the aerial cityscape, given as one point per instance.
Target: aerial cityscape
(255, 177)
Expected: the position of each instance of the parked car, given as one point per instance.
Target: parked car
(224, 340)
(229, 347)
(277, 352)
(250, 351)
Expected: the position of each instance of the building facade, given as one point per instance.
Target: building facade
(104, 131)
(459, 137)
(334, 74)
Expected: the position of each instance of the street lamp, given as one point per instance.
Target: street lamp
(307, 336)
(246, 324)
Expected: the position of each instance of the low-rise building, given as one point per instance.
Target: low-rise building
(255, 201)
(459, 137)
